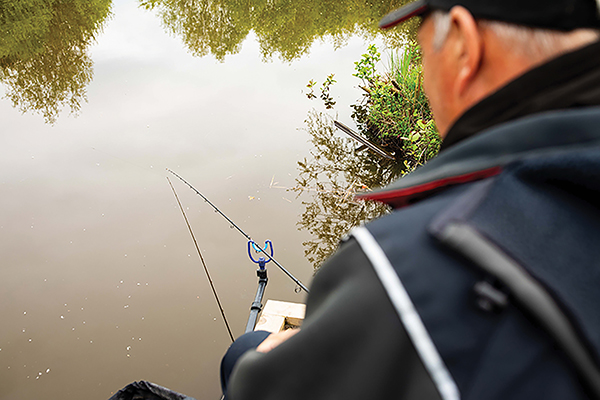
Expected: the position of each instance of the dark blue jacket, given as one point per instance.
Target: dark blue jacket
(498, 266)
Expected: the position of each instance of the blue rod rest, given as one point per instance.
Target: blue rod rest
(261, 260)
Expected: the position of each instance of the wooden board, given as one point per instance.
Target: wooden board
(280, 315)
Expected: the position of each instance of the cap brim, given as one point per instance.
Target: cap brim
(403, 13)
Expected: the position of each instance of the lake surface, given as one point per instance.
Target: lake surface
(100, 282)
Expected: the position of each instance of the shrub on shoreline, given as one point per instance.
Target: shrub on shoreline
(394, 112)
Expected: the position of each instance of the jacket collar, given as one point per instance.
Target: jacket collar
(485, 154)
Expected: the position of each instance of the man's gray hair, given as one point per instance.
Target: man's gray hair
(536, 43)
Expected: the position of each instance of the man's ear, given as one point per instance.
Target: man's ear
(468, 48)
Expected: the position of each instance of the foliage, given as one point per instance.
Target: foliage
(24, 26)
(393, 114)
(43, 52)
(333, 175)
(286, 28)
(207, 27)
(394, 111)
(366, 67)
(325, 91)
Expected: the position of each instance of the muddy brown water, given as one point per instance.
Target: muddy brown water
(100, 284)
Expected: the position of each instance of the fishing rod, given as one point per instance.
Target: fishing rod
(233, 224)
(212, 286)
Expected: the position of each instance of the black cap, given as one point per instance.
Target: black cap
(562, 15)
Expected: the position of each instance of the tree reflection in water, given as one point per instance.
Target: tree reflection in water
(334, 174)
(43, 52)
(284, 27)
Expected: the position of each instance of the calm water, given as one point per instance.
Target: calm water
(100, 283)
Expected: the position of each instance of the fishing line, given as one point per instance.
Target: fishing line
(212, 286)
(292, 277)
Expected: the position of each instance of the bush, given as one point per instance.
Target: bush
(394, 112)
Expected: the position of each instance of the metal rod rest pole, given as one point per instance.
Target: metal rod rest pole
(256, 307)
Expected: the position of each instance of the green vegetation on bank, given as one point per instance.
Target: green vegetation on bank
(392, 113)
